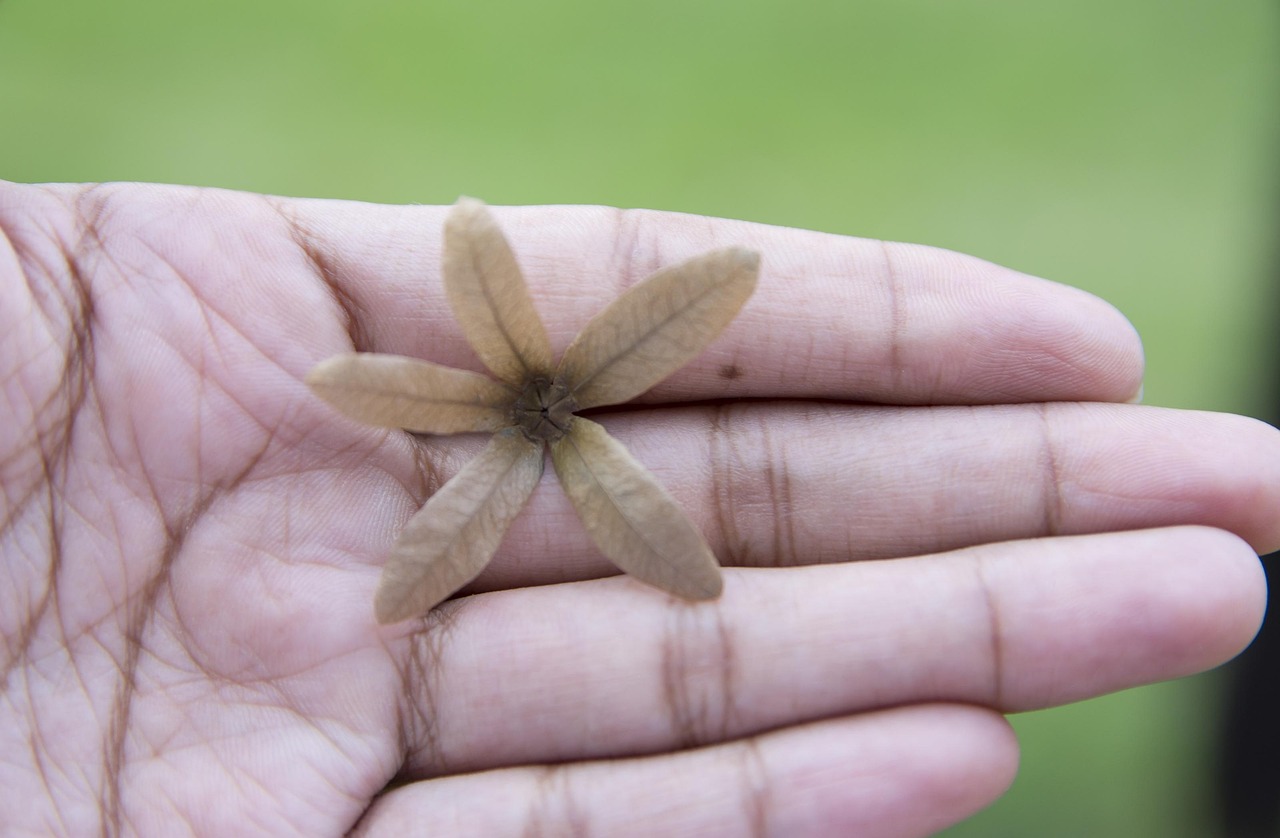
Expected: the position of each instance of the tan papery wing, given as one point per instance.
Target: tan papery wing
(392, 391)
(630, 517)
(450, 540)
(489, 297)
(657, 327)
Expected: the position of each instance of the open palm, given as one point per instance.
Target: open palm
(932, 504)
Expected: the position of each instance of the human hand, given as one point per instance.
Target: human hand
(931, 506)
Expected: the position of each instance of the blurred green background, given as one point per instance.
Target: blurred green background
(1126, 148)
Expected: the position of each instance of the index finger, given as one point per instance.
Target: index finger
(832, 317)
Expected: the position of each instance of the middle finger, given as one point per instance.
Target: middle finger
(808, 483)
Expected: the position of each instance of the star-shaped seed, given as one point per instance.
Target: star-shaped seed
(639, 339)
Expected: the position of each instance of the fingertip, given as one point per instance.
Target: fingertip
(1123, 609)
(1123, 345)
(1254, 469)
(920, 768)
(988, 752)
(1231, 600)
(973, 759)
(1104, 348)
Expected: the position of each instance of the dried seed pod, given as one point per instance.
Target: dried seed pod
(641, 338)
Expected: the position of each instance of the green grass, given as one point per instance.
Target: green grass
(1125, 148)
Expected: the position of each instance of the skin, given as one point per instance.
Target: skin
(936, 451)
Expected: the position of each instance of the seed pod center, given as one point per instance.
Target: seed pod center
(544, 410)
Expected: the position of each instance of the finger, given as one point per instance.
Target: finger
(622, 670)
(771, 485)
(908, 771)
(832, 316)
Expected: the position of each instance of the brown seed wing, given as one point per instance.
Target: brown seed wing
(630, 517)
(657, 327)
(489, 297)
(450, 540)
(392, 391)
